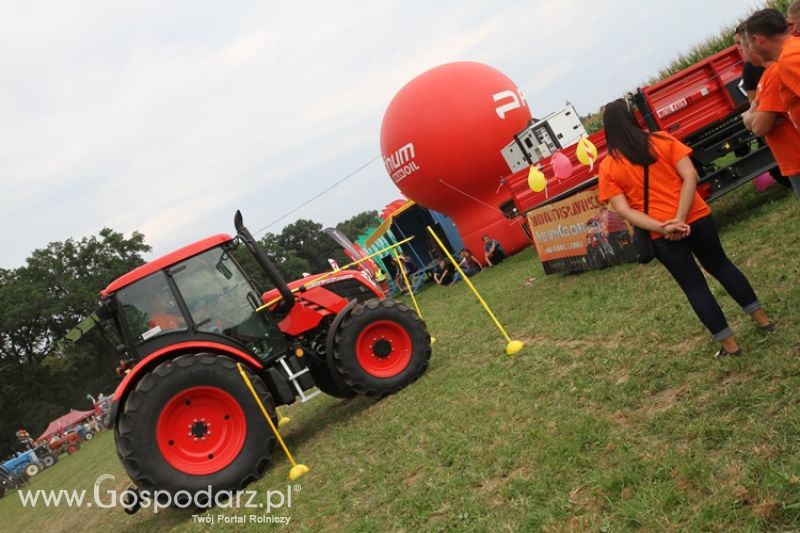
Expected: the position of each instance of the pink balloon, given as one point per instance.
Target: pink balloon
(562, 166)
(763, 182)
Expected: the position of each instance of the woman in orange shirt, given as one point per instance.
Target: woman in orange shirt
(678, 219)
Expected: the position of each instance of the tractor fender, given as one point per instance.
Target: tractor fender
(170, 352)
(331, 337)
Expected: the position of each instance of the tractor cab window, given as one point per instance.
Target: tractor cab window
(150, 308)
(221, 300)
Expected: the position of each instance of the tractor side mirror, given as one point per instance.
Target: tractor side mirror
(106, 309)
(222, 268)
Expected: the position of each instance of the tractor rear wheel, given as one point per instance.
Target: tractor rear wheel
(49, 460)
(381, 347)
(191, 423)
(32, 469)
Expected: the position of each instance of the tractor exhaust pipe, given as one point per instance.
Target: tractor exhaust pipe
(263, 260)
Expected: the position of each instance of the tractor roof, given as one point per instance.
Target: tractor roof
(165, 261)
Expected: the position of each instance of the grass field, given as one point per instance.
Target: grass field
(614, 417)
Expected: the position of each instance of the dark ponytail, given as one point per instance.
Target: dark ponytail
(624, 136)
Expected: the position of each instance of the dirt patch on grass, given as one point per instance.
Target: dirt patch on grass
(686, 346)
(623, 375)
(662, 401)
(622, 419)
(765, 509)
(737, 378)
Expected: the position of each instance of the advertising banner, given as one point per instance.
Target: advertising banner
(352, 250)
(579, 233)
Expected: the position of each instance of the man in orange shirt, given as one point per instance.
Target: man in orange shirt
(767, 31)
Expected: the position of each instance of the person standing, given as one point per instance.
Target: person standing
(678, 219)
(793, 16)
(789, 66)
(766, 33)
(751, 74)
(752, 70)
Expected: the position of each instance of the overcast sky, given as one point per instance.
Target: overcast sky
(166, 117)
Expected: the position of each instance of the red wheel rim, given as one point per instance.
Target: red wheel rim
(383, 349)
(201, 430)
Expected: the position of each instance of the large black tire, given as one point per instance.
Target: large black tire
(153, 464)
(48, 459)
(381, 347)
(325, 381)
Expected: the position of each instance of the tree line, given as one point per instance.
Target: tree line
(42, 374)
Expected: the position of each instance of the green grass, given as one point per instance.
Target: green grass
(615, 416)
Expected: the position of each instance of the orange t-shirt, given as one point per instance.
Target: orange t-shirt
(784, 139)
(619, 176)
(789, 74)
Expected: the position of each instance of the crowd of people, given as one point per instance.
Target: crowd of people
(444, 273)
(680, 223)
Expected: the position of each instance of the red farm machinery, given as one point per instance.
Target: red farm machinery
(183, 417)
(701, 105)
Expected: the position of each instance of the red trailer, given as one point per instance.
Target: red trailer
(701, 105)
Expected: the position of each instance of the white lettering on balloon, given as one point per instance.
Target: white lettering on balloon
(401, 164)
(513, 101)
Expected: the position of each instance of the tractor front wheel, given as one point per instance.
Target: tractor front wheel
(381, 347)
(325, 381)
(49, 460)
(32, 469)
(192, 425)
(73, 448)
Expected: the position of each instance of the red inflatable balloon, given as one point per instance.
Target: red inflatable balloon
(441, 139)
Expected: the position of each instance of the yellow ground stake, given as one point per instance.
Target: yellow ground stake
(282, 420)
(408, 285)
(297, 469)
(513, 346)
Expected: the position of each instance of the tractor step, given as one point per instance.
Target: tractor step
(293, 377)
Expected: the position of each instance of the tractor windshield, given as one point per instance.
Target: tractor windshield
(150, 309)
(221, 300)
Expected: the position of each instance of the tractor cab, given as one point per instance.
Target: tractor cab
(204, 296)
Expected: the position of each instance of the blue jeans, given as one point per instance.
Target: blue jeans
(679, 259)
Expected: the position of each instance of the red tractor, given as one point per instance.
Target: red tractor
(68, 442)
(183, 418)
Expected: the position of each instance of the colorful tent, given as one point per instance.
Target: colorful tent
(389, 212)
(64, 422)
